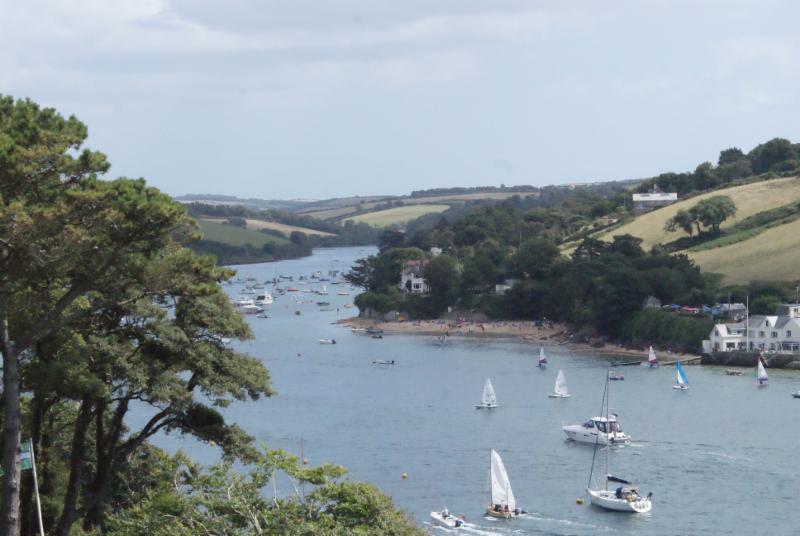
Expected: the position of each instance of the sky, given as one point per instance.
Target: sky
(315, 99)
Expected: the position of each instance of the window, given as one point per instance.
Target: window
(730, 345)
(774, 334)
(760, 333)
(716, 333)
(788, 333)
(716, 346)
(761, 345)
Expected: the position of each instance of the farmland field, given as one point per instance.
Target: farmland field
(750, 199)
(397, 215)
(235, 236)
(257, 225)
(772, 255)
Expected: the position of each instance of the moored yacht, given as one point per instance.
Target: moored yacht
(264, 299)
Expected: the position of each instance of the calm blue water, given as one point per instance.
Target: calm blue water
(720, 458)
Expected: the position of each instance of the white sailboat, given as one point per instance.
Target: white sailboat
(652, 360)
(542, 358)
(502, 502)
(762, 377)
(624, 498)
(681, 381)
(560, 390)
(488, 399)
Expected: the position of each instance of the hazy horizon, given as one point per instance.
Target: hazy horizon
(319, 100)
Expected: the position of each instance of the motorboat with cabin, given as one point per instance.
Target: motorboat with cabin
(446, 519)
(264, 299)
(604, 430)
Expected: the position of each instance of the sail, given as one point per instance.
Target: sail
(561, 385)
(762, 373)
(651, 357)
(501, 487)
(542, 357)
(680, 375)
(489, 399)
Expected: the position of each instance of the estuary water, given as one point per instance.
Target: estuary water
(721, 458)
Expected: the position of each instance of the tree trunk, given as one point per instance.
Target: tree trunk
(28, 514)
(9, 489)
(69, 513)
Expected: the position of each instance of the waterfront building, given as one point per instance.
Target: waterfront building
(771, 333)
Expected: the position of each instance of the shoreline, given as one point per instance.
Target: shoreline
(551, 334)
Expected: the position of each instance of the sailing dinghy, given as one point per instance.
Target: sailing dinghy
(542, 358)
(681, 381)
(762, 377)
(560, 390)
(488, 399)
(652, 360)
(502, 503)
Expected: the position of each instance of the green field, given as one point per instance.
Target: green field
(235, 236)
(772, 255)
(750, 199)
(397, 215)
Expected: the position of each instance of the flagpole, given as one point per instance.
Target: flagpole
(36, 490)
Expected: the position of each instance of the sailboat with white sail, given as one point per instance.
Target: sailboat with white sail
(542, 358)
(761, 377)
(502, 503)
(488, 398)
(624, 497)
(560, 390)
(652, 360)
(681, 381)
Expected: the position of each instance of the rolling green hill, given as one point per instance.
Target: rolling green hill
(770, 252)
(236, 236)
(397, 215)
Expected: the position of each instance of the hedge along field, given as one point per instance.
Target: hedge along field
(236, 236)
(750, 199)
(771, 255)
(397, 215)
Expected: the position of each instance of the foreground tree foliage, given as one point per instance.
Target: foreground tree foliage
(101, 307)
(190, 500)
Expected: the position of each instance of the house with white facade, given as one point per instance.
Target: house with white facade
(411, 279)
(773, 333)
(652, 200)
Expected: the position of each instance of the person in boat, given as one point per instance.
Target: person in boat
(498, 508)
(505, 509)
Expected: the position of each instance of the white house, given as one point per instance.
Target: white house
(411, 279)
(652, 200)
(779, 333)
(436, 251)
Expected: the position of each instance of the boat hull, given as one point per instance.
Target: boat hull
(554, 395)
(581, 434)
(450, 521)
(486, 406)
(491, 512)
(607, 499)
(680, 387)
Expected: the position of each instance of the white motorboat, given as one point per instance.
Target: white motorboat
(264, 299)
(247, 290)
(488, 398)
(327, 341)
(681, 381)
(323, 291)
(623, 497)
(250, 309)
(761, 376)
(502, 504)
(560, 390)
(603, 430)
(446, 519)
(542, 358)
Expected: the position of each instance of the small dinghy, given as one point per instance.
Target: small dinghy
(488, 398)
(383, 362)
(733, 372)
(502, 505)
(446, 519)
(542, 358)
(761, 377)
(327, 341)
(652, 360)
(796, 395)
(560, 390)
(615, 376)
(681, 382)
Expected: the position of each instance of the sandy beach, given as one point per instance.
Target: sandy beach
(550, 334)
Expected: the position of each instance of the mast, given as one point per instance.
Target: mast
(608, 426)
(747, 325)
